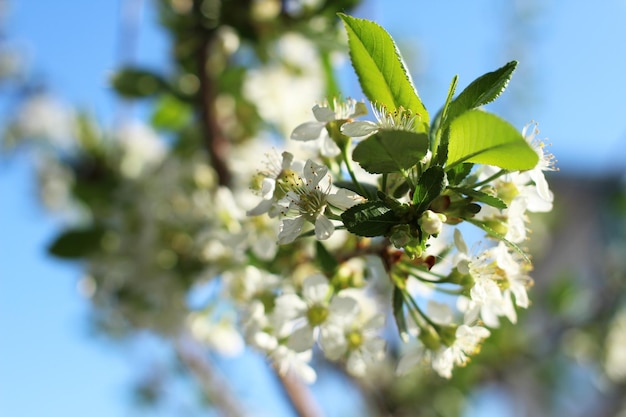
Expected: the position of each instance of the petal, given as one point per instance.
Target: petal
(289, 306)
(328, 147)
(263, 207)
(323, 114)
(360, 109)
(333, 342)
(324, 228)
(301, 340)
(289, 230)
(359, 128)
(346, 308)
(315, 288)
(410, 360)
(307, 131)
(313, 173)
(344, 199)
(460, 242)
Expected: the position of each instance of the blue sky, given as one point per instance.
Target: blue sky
(571, 72)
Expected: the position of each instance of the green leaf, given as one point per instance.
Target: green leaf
(430, 186)
(398, 313)
(482, 90)
(76, 243)
(171, 114)
(484, 138)
(390, 151)
(480, 196)
(369, 219)
(382, 74)
(458, 173)
(137, 83)
(325, 260)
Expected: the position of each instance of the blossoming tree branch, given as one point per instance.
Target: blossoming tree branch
(374, 223)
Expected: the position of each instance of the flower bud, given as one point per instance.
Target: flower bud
(431, 222)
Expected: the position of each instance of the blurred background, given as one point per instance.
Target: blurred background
(124, 69)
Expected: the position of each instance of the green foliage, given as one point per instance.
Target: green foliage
(481, 196)
(137, 83)
(76, 243)
(382, 74)
(481, 91)
(398, 312)
(431, 184)
(373, 218)
(484, 138)
(171, 114)
(327, 262)
(390, 151)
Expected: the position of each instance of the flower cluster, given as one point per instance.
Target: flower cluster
(419, 247)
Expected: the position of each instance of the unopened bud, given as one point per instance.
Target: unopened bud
(431, 222)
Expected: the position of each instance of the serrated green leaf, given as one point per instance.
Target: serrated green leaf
(483, 90)
(430, 185)
(458, 173)
(484, 138)
(398, 313)
(390, 151)
(137, 83)
(76, 243)
(380, 68)
(480, 196)
(369, 219)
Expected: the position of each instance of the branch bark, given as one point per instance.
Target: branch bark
(215, 141)
(300, 396)
(215, 387)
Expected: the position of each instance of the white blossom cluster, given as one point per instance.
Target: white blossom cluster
(466, 292)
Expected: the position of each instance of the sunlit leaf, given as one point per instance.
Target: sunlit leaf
(382, 74)
(484, 138)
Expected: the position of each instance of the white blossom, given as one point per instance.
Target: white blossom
(324, 114)
(399, 119)
(307, 199)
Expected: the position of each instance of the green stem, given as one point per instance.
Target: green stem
(410, 300)
(491, 178)
(348, 162)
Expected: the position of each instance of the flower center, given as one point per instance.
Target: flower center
(355, 339)
(316, 315)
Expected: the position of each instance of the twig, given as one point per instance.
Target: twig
(214, 386)
(215, 141)
(300, 396)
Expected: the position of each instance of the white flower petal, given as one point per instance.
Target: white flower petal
(360, 109)
(307, 131)
(301, 340)
(333, 342)
(344, 199)
(290, 229)
(344, 307)
(315, 288)
(323, 114)
(359, 128)
(313, 173)
(324, 228)
(289, 306)
(261, 208)
(328, 147)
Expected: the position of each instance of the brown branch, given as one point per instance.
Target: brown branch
(215, 387)
(215, 141)
(299, 395)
